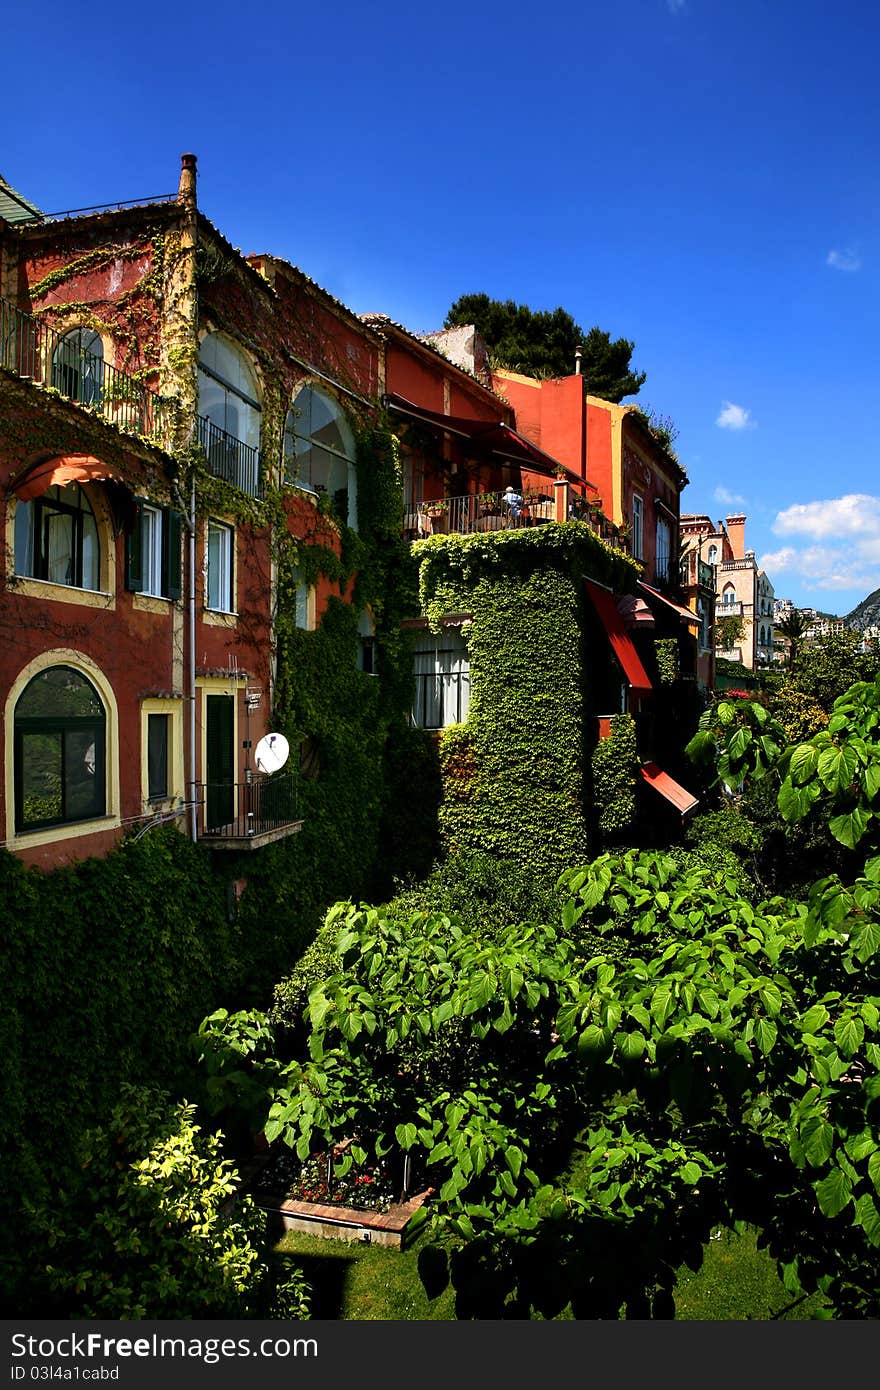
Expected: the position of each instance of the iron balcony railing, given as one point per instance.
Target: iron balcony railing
(243, 810)
(229, 458)
(483, 511)
(35, 352)
(488, 511)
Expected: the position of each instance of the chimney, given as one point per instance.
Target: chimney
(578, 354)
(736, 530)
(186, 192)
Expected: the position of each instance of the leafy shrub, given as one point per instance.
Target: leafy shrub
(482, 891)
(146, 1230)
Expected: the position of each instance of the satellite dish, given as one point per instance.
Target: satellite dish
(271, 753)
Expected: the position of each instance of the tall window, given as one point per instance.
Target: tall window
(319, 450)
(712, 557)
(637, 527)
(443, 680)
(728, 597)
(663, 552)
(152, 552)
(60, 727)
(703, 616)
(158, 748)
(219, 567)
(367, 644)
(56, 538)
(78, 366)
(230, 413)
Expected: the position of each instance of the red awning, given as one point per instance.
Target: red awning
(684, 613)
(605, 605)
(677, 795)
(70, 468)
(492, 435)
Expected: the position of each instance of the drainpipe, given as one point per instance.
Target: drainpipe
(187, 307)
(191, 643)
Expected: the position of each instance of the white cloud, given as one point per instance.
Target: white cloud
(776, 560)
(840, 544)
(728, 498)
(846, 259)
(855, 514)
(735, 417)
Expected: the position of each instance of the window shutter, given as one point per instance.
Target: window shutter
(134, 550)
(172, 531)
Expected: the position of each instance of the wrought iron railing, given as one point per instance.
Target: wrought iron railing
(229, 458)
(242, 810)
(482, 511)
(35, 352)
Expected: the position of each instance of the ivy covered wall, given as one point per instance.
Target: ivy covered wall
(517, 779)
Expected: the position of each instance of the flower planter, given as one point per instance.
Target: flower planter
(333, 1222)
(300, 1205)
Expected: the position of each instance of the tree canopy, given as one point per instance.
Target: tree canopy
(542, 342)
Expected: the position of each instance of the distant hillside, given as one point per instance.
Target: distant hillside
(867, 613)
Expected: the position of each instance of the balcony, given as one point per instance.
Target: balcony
(247, 815)
(487, 511)
(230, 459)
(34, 352)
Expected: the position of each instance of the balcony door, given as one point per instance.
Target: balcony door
(220, 761)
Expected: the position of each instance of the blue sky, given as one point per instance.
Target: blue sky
(699, 176)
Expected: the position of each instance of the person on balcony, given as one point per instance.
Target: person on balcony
(514, 502)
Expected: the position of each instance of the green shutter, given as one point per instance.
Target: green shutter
(134, 550)
(172, 532)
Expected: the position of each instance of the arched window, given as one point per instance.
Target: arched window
(230, 413)
(319, 450)
(78, 366)
(60, 735)
(713, 555)
(56, 538)
(728, 597)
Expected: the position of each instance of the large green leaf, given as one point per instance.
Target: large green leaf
(850, 828)
(834, 1192)
(794, 802)
(817, 1137)
(868, 1217)
(802, 763)
(837, 767)
(849, 1034)
(765, 1034)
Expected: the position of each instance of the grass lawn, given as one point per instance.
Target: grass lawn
(361, 1282)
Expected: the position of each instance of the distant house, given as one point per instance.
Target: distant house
(742, 590)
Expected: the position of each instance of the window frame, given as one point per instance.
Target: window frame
(290, 457)
(65, 726)
(36, 514)
(226, 577)
(638, 526)
(460, 668)
(159, 553)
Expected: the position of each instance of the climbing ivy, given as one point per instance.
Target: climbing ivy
(514, 772)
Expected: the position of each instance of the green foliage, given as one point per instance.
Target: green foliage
(542, 343)
(730, 630)
(827, 667)
(736, 740)
(482, 892)
(316, 964)
(798, 713)
(666, 649)
(514, 772)
(615, 768)
(143, 1230)
(597, 1117)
